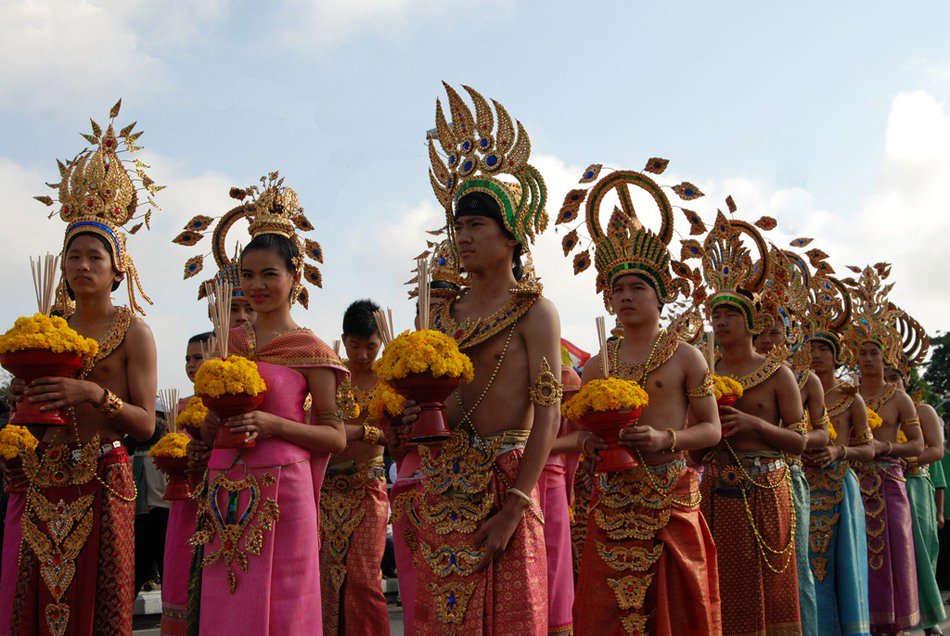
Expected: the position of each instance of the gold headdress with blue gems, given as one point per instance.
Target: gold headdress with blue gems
(270, 208)
(875, 318)
(479, 149)
(625, 246)
(829, 314)
(98, 193)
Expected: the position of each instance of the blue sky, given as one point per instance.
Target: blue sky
(828, 116)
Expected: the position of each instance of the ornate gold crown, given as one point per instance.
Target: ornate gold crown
(446, 276)
(785, 295)
(875, 319)
(915, 343)
(270, 208)
(477, 153)
(829, 314)
(729, 270)
(98, 194)
(625, 246)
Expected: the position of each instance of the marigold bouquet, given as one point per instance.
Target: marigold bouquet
(12, 439)
(194, 414)
(611, 394)
(874, 420)
(832, 433)
(233, 376)
(50, 333)
(724, 385)
(170, 445)
(386, 402)
(424, 351)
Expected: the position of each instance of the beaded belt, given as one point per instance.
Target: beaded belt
(368, 470)
(104, 450)
(678, 465)
(511, 439)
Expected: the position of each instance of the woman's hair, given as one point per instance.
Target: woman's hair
(481, 204)
(105, 245)
(201, 337)
(284, 247)
(358, 320)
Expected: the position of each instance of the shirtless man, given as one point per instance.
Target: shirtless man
(353, 505)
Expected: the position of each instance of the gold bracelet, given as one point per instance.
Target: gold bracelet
(110, 406)
(672, 440)
(520, 495)
(890, 448)
(844, 452)
(371, 434)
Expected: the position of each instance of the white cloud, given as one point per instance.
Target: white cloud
(325, 24)
(66, 55)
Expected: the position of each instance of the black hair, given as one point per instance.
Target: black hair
(201, 337)
(108, 248)
(481, 204)
(358, 320)
(285, 248)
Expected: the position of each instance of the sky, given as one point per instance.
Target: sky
(830, 117)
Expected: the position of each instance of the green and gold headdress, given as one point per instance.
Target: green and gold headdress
(875, 318)
(478, 151)
(915, 343)
(829, 314)
(625, 246)
(729, 270)
(98, 193)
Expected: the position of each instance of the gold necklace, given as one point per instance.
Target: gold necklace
(471, 332)
(760, 375)
(467, 416)
(881, 398)
(666, 344)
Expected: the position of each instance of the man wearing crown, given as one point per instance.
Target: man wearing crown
(746, 491)
(480, 536)
(874, 341)
(76, 568)
(649, 562)
(837, 540)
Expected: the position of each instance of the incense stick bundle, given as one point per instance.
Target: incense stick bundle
(208, 348)
(602, 341)
(424, 296)
(384, 323)
(219, 293)
(169, 399)
(711, 351)
(336, 347)
(44, 270)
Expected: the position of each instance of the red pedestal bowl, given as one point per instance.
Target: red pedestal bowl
(178, 487)
(429, 392)
(729, 399)
(227, 406)
(607, 425)
(30, 364)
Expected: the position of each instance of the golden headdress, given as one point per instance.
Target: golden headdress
(875, 319)
(228, 265)
(829, 314)
(447, 280)
(479, 150)
(270, 208)
(915, 343)
(625, 246)
(99, 193)
(785, 295)
(728, 269)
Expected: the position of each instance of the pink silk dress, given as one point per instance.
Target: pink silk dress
(261, 512)
(12, 534)
(177, 563)
(405, 542)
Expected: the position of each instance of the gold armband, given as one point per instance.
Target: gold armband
(371, 434)
(326, 414)
(801, 426)
(824, 421)
(546, 390)
(110, 405)
(912, 422)
(864, 436)
(705, 388)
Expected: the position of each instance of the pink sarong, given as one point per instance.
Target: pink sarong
(552, 489)
(12, 534)
(405, 542)
(178, 555)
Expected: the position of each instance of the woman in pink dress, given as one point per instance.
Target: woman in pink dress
(258, 518)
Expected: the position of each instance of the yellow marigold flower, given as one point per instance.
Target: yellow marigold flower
(193, 415)
(385, 400)
(170, 445)
(13, 438)
(46, 332)
(424, 351)
(832, 433)
(724, 385)
(237, 374)
(901, 437)
(612, 394)
(874, 420)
